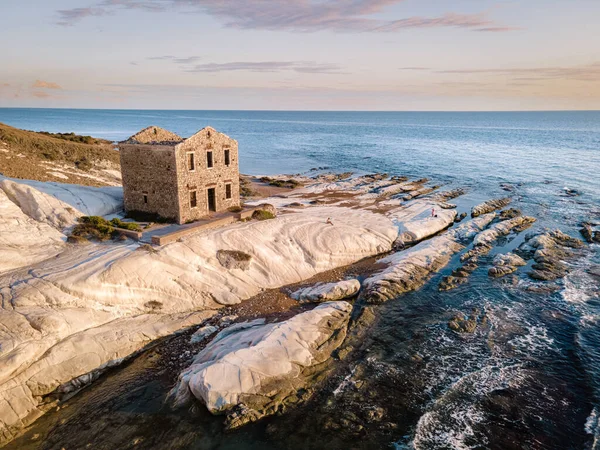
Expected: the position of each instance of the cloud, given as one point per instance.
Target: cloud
(415, 68)
(68, 17)
(40, 94)
(268, 66)
(588, 72)
(40, 84)
(292, 15)
(176, 59)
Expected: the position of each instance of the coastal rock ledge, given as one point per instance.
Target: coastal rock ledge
(253, 368)
(324, 292)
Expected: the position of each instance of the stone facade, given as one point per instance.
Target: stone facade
(180, 179)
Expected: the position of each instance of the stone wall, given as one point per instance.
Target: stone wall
(150, 170)
(203, 178)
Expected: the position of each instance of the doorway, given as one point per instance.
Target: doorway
(212, 200)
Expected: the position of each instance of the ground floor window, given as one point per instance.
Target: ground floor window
(228, 191)
(193, 199)
(145, 194)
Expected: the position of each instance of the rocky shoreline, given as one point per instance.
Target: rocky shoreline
(405, 229)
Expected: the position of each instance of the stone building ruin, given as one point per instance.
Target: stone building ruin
(178, 179)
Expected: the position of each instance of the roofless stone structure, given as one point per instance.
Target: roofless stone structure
(179, 179)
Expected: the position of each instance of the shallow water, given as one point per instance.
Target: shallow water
(530, 378)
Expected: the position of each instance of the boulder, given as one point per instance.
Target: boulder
(500, 271)
(234, 259)
(327, 292)
(203, 333)
(509, 259)
(252, 369)
(489, 206)
(268, 208)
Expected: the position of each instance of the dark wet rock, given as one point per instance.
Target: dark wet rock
(548, 250)
(234, 259)
(503, 228)
(463, 324)
(296, 205)
(318, 202)
(571, 192)
(497, 272)
(489, 206)
(507, 187)
(589, 234)
(548, 288)
(444, 196)
(476, 251)
(460, 217)
(505, 264)
(451, 282)
(510, 213)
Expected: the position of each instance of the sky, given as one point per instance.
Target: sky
(399, 55)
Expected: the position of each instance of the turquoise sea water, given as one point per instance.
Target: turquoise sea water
(531, 380)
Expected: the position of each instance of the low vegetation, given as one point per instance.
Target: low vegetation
(27, 154)
(261, 214)
(235, 209)
(289, 183)
(99, 229)
(72, 137)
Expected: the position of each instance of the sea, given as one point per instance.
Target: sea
(528, 380)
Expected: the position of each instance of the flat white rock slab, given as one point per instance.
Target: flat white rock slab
(324, 292)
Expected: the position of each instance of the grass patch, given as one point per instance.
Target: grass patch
(72, 137)
(99, 229)
(290, 183)
(262, 215)
(132, 226)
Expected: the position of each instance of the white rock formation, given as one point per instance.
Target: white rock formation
(84, 291)
(90, 201)
(415, 221)
(40, 206)
(23, 240)
(325, 292)
(508, 259)
(255, 362)
(202, 333)
(408, 270)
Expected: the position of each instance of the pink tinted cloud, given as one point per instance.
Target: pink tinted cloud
(41, 84)
(292, 15)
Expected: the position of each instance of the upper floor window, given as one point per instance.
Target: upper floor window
(209, 159)
(227, 159)
(191, 162)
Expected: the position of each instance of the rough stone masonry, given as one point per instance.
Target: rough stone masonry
(178, 179)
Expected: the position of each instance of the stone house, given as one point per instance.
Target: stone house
(179, 179)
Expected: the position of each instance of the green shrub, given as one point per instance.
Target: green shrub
(262, 215)
(93, 227)
(132, 226)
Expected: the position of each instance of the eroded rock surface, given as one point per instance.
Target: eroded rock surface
(256, 366)
(505, 264)
(407, 270)
(489, 206)
(325, 292)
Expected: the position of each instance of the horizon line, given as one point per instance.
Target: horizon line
(310, 110)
